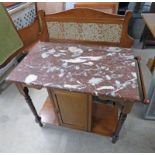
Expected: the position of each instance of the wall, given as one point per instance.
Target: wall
(69, 5)
(51, 7)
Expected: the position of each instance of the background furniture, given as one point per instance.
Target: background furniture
(148, 18)
(105, 7)
(10, 41)
(22, 15)
(147, 36)
(150, 111)
(151, 64)
(122, 7)
(150, 23)
(9, 4)
(148, 81)
(25, 19)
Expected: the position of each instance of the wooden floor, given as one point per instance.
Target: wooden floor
(104, 117)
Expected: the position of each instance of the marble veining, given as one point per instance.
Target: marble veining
(113, 49)
(94, 69)
(30, 78)
(89, 63)
(95, 81)
(46, 54)
(106, 87)
(108, 77)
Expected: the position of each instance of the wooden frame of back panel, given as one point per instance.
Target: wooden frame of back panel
(87, 15)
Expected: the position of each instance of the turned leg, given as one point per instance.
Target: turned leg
(30, 104)
(120, 123)
(25, 92)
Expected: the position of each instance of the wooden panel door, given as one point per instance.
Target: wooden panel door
(74, 109)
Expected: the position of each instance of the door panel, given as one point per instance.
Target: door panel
(74, 109)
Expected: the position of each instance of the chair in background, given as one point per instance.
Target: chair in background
(24, 17)
(106, 7)
(10, 42)
(23, 33)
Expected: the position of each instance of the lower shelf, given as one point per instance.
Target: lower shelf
(104, 118)
(47, 113)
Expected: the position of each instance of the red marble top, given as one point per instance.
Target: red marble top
(97, 70)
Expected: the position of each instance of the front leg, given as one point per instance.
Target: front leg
(125, 108)
(120, 123)
(25, 92)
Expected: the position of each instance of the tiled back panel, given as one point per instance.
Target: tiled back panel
(85, 31)
(24, 17)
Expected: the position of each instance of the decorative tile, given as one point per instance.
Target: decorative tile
(85, 31)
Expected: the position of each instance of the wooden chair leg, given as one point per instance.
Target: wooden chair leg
(120, 123)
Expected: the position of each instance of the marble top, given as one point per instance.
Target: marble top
(96, 70)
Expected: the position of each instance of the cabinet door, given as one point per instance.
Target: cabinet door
(74, 109)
